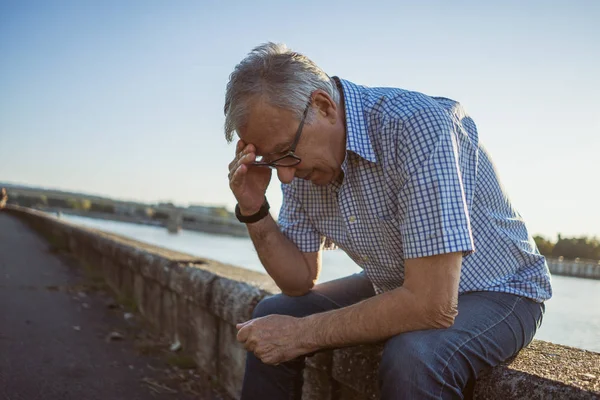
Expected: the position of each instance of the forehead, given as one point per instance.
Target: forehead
(268, 128)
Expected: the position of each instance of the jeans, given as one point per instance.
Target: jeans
(428, 364)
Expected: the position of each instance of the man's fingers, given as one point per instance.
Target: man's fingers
(242, 149)
(240, 145)
(242, 334)
(270, 358)
(238, 175)
(241, 324)
(235, 162)
(242, 158)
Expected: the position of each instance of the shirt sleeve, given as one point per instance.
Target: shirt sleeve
(295, 224)
(436, 218)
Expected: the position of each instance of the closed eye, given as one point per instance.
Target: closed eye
(280, 149)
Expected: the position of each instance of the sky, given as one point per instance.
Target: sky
(125, 98)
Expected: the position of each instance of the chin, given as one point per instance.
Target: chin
(319, 178)
(320, 181)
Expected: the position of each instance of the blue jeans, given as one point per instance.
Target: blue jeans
(429, 364)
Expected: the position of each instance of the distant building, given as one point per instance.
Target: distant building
(125, 209)
(203, 210)
(212, 211)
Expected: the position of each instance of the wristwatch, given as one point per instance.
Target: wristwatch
(248, 219)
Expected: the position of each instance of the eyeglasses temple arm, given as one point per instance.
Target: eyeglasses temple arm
(297, 138)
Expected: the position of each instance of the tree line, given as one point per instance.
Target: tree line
(79, 204)
(44, 202)
(570, 248)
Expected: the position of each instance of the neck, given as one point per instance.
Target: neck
(342, 116)
(344, 130)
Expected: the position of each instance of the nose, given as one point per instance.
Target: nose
(286, 174)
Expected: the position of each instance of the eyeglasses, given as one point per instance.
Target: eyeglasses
(289, 159)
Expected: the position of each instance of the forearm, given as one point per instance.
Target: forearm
(281, 258)
(373, 320)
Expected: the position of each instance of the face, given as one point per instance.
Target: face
(322, 143)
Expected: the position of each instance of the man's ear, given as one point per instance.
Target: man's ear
(325, 105)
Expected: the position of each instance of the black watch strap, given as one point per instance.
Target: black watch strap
(248, 219)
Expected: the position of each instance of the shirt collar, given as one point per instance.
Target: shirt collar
(357, 135)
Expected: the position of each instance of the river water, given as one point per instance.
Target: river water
(572, 315)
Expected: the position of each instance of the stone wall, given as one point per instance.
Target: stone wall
(198, 302)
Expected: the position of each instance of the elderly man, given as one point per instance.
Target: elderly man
(452, 280)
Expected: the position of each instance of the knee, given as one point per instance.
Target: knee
(266, 306)
(294, 306)
(422, 364)
(276, 304)
(408, 359)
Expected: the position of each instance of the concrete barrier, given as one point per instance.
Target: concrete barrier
(198, 302)
(580, 269)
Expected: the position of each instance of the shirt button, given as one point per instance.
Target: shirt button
(352, 219)
(365, 258)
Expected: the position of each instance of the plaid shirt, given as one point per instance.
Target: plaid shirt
(417, 182)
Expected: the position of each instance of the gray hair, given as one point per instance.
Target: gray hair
(286, 79)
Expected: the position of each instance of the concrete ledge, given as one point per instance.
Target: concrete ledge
(198, 302)
(544, 371)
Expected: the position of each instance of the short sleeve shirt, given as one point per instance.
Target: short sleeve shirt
(417, 182)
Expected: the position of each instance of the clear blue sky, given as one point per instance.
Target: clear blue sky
(125, 98)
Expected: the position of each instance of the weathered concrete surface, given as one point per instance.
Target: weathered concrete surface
(318, 385)
(232, 359)
(541, 371)
(52, 341)
(204, 343)
(233, 301)
(317, 382)
(544, 371)
(360, 361)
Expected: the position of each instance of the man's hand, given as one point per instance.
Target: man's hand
(248, 183)
(275, 338)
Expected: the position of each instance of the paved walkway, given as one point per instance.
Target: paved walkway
(53, 342)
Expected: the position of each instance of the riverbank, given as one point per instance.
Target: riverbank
(580, 269)
(213, 226)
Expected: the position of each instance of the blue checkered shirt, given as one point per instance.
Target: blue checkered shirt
(417, 182)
